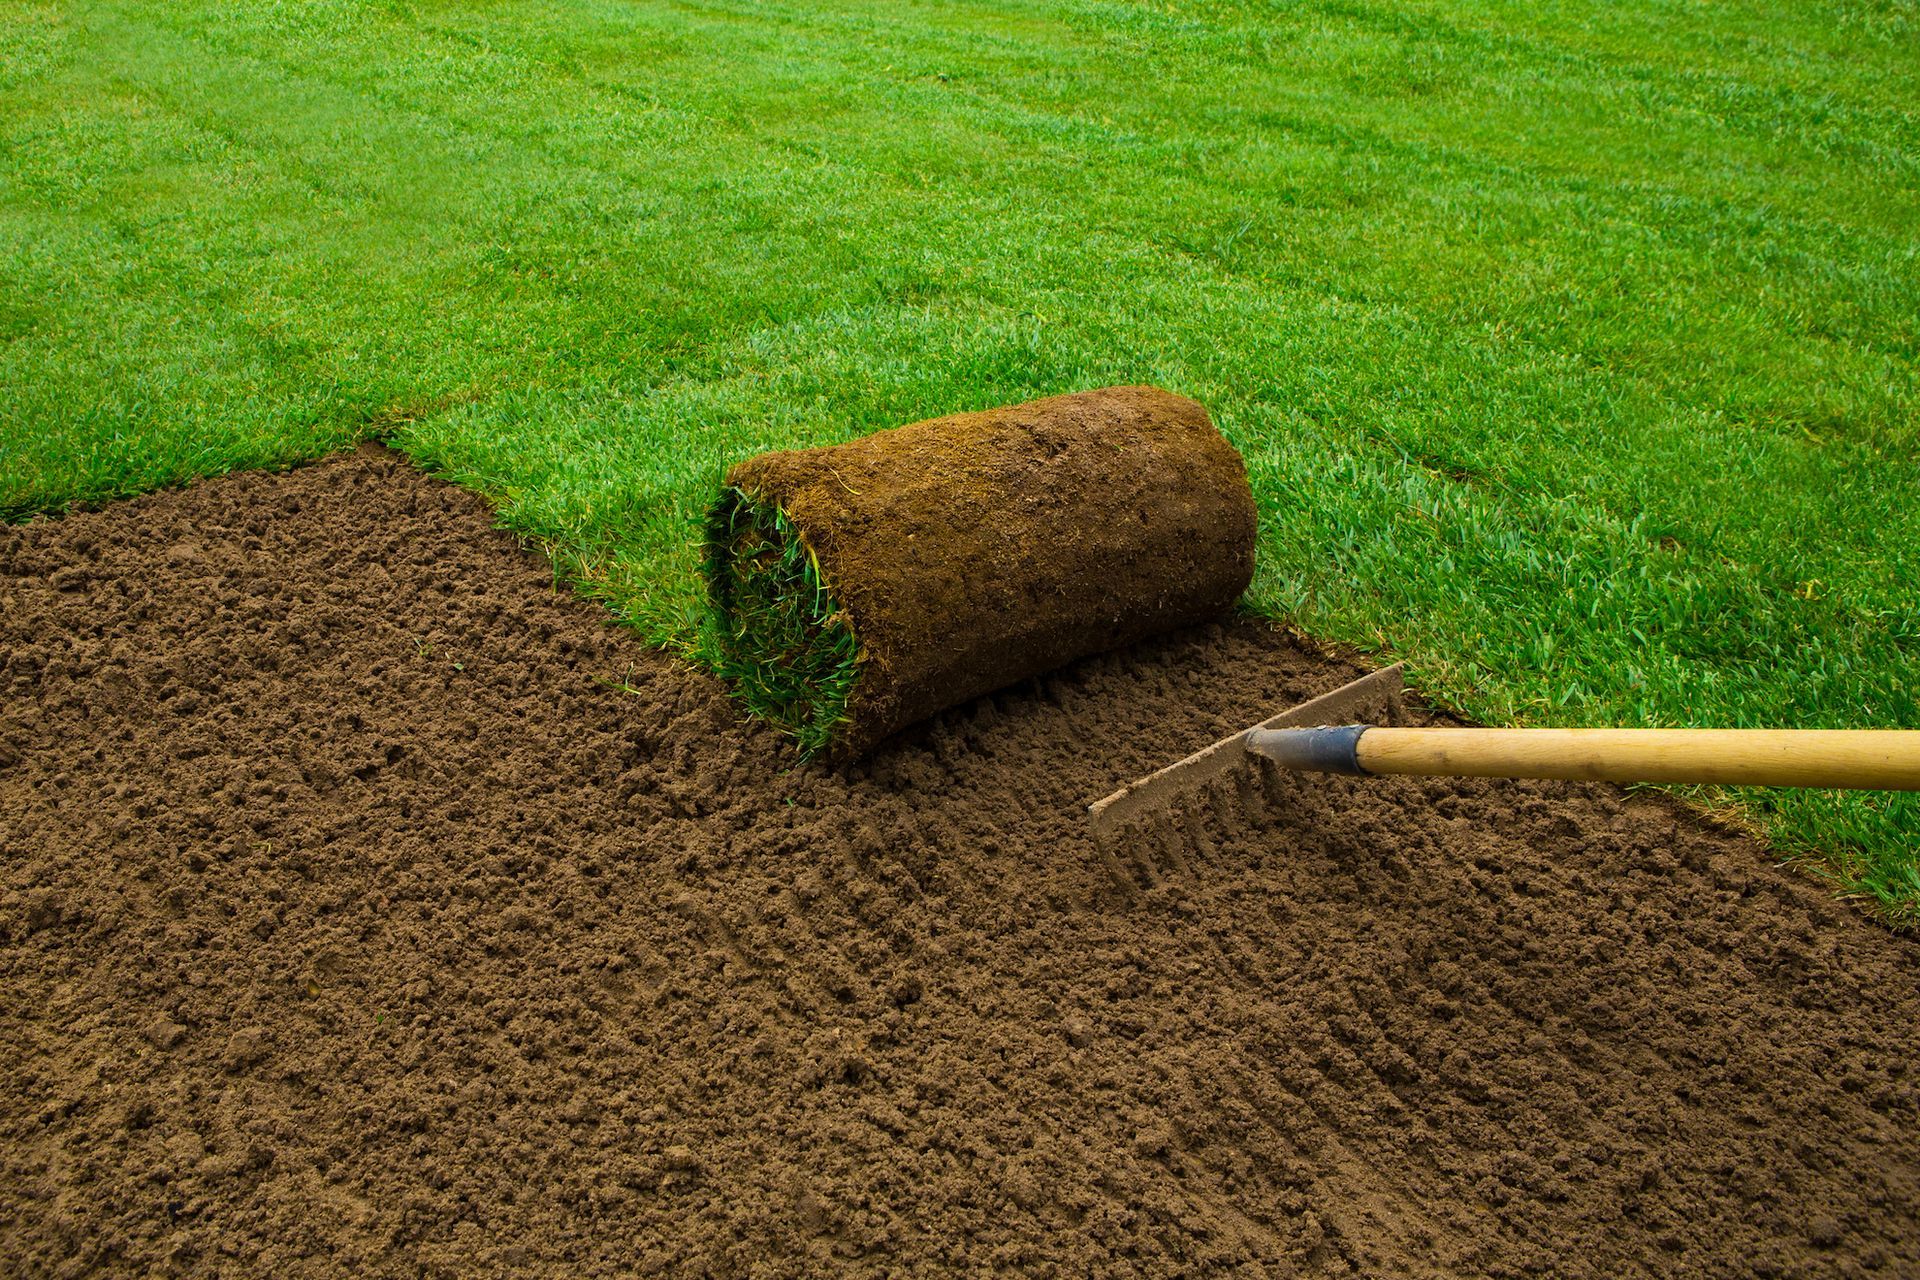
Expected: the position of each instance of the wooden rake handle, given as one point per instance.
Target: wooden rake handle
(1878, 759)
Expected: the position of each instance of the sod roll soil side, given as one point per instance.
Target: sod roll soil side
(864, 586)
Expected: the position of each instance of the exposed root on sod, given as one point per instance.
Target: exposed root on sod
(776, 633)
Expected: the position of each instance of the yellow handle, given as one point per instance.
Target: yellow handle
(1880, 759)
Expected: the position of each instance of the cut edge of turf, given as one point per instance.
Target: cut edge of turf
(776, 631)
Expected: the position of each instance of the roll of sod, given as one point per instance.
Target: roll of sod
(860, 587)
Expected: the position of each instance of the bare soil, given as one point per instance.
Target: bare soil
(372, 908)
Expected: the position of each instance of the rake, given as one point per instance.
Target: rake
(1322, 736)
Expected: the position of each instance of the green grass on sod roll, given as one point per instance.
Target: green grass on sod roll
(775, 631)
(1572, 348)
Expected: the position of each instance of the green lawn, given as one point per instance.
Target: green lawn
(1572, 345)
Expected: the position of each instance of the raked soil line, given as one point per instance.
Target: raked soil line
(372, 908)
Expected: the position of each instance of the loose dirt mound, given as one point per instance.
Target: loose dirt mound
(370, 907)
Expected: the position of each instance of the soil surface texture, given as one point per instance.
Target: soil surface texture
(372, 908)
(972, 551)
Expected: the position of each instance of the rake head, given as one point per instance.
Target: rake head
(1228, 772)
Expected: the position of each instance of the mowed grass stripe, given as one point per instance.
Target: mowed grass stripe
(1573, 352)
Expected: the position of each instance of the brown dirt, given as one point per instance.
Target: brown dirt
(976, 550)
(355, 922)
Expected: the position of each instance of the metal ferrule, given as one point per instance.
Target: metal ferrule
(1334, 749)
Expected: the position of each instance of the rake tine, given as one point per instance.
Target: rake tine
(1222, 796)
(1178, 838)
(1273, 785)
(1109, 841)
(1249, 793)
